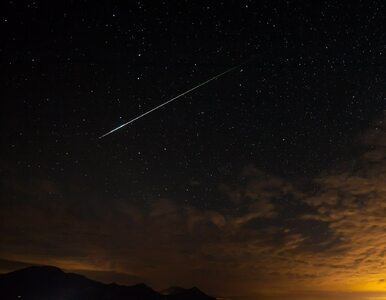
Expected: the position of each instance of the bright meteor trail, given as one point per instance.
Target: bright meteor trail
(171, 100)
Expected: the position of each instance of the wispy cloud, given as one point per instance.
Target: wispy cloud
(326, 234)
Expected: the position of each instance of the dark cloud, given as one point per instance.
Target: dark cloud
(274, 233)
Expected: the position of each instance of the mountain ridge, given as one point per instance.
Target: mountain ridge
(49, 283)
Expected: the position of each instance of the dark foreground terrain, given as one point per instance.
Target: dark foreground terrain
(51, 283)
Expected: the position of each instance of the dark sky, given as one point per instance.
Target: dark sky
(263, 180)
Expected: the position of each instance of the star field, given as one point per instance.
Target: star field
(243, 166)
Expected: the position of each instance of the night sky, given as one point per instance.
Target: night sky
(267, 183)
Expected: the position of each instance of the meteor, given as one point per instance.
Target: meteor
(171, 100)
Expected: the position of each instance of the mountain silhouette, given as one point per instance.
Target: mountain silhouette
(51, 283)
(179, 293)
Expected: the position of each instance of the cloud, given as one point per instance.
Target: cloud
(353, 202)
(270, 234)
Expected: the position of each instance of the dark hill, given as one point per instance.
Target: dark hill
(51, 283)
(179, 293)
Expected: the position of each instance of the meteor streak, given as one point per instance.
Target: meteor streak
(171, 100)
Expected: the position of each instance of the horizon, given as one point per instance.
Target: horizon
(314, 294)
